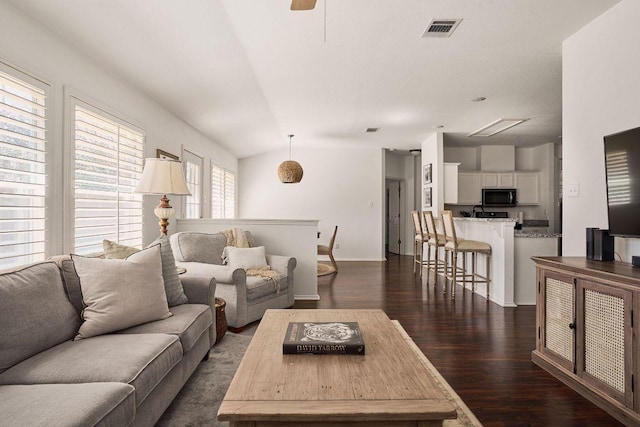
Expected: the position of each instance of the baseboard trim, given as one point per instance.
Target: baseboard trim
(315, 297)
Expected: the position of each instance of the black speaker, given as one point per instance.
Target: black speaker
(590, 237)
(602, 245)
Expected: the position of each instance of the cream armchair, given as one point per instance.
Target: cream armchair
(247, 297)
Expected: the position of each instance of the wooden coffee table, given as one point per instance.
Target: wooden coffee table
(386, 387)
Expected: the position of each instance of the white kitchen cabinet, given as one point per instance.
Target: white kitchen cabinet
(498, 180)
(469, 188)
(528, 188)
(451, 183)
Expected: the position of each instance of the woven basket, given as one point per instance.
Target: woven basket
(221, 319)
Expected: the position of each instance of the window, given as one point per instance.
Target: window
(193, 175)
(108, 164)
(23, 168)
(222, 192)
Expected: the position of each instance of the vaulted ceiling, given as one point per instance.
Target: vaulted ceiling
(248, 72)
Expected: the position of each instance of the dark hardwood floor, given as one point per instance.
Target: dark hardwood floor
(482, 350)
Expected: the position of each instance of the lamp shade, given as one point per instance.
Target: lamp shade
(162, 176)
(290, 172)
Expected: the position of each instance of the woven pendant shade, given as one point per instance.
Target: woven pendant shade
(290, 171)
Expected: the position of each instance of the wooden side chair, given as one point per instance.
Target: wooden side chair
(435, 241)
(418, 242)
(328, 250)
(455, 246)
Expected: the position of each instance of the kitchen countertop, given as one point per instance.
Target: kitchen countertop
(517, 233)
(524, 233)
(471, 219)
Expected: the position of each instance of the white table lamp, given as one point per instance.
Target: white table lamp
(162, 176)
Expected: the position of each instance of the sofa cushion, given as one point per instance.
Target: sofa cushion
(258, 287)
(189, 322)
(198, 247)
(246, 258)
(121, 293)
(93, 404)
(172, 285)
(139, 360)
(35, 313)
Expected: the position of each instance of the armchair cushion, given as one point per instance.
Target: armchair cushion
(246, 258)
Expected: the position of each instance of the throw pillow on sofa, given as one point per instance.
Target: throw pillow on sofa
(172, 284)
(119, 294)
(113, 250)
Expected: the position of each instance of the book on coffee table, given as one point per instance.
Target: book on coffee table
(323, 338)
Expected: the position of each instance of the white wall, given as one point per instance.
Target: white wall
(601, 95)
(27, 46)
(343, 187)
(468, 157)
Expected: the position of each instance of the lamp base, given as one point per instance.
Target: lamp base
(163, 211)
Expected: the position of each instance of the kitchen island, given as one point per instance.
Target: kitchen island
(497, 232)
(527, 245)
(512, 271)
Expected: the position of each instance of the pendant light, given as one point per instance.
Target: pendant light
(290, 171)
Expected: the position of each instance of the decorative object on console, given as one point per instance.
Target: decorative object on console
(590, 236)
(603, 245)
(162, 176)
(290, 171)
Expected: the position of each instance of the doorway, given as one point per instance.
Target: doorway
(393, 216)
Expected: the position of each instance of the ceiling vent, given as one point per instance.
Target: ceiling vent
(441, 27)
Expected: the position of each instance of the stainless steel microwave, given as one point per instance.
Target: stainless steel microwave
(499, 197)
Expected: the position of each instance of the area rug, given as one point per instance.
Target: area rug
(198, 402)
(325, 270)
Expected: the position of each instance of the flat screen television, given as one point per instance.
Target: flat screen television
(622, 166)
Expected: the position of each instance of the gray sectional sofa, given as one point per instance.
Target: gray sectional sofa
(116, 379)
(247, 297)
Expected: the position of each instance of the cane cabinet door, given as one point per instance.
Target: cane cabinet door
(556, 335)
(604, 339)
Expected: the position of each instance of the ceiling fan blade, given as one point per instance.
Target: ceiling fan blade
(303, 4)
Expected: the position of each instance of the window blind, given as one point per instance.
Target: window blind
(108, 165)
(23, 168)
(193, 176)
(222, 192)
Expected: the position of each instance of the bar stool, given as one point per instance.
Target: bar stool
(418, 242)
(453, 247)
(436, 241)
